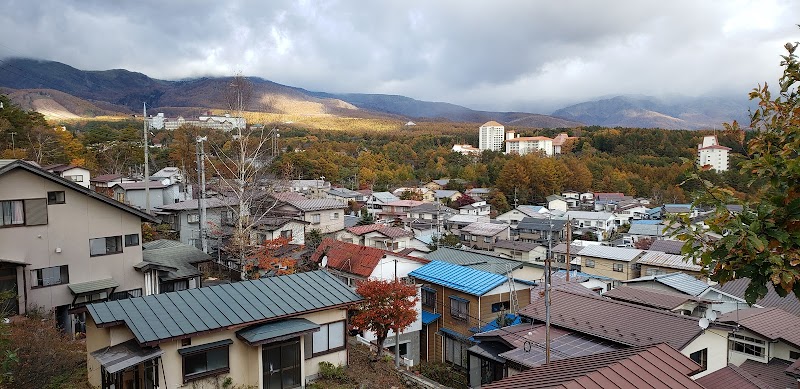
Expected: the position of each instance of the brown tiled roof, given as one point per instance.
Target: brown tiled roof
(794, 369)
(650, 297)
(348, 257)
(656, 366)
(772, 373)
(516, 245)
(622, 322)
(790, 303)
(492, 123)
(731, 377)
(106, 177)
(771, 323)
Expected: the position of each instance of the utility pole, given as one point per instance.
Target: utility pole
(569, 242)
(13, 143)
(396, 332)
(146, 161)
(547, 290)
(201, 198)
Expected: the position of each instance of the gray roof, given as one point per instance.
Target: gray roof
(124, 355)
(316, 204)
(485, 229)
(667, 246)
(444, 193)
(6, 165)
(173, 255)
(473, 259)
(276, 331)
(384, 197)
(139, 185)
(93, 286)
(589, 215)
(541, 224)
(156, 318)
(344, 192)
(351, 221)
(213, 202)
(681, 282)
(532, 210)
(612, 253)
(647, 229)
(516, 245)
(431, 208)
(673, 261)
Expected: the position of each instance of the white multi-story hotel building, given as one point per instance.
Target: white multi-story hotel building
(225, 123)
(529, 144)
(491, 136)
(711, 154)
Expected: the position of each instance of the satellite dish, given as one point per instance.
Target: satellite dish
(325, 261)
(704, 323)
(711, 315)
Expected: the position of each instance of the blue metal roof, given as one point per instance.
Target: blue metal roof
(428, 317)
(155, 318)
(492, 325)
(456, 277)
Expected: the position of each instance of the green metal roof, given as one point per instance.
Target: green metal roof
(276, 331)
(93, 286)
(155, 318)
(175, 258)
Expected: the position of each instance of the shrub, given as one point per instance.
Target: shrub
(444, 374)
(329, 371)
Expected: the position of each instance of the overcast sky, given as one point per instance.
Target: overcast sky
(530, 55)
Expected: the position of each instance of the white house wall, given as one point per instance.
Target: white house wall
(716, 341)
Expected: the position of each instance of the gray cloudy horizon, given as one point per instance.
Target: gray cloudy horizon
(531, 56)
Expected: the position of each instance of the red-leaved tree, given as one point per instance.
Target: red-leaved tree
(268, 258)
(387, 305)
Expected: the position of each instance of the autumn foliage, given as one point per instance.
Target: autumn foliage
(387, 305)
(268, 257)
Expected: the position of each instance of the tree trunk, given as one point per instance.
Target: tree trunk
(379, 340)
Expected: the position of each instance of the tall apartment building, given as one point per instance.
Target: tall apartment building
(711, 153)
(491, 136)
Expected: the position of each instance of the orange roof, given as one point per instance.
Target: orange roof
(529, 138)
(492, 123)
(348, 257)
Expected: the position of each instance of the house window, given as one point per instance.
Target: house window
(618, 267)
(57, 197)
(794, 355)
(315, 218)
(501, 306)
(173, 286)
(48, 276)
(701, 357)
(487, 239)
(330, 338)
(429, 298)
(746, 345)
(105, 246)
(193, 218)
(335, 216)
(131, 240)
(286, 234)
(459, 308)
(76, 178)
(205, 360)
(13, 213)
(455, 351)
(651, 271)
(589, 263)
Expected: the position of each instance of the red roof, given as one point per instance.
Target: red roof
(750, 375)
(348, 257)
(651, 297)
(657, 366)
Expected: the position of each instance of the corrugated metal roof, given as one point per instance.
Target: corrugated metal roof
(461, 278)
(650, 297)
(657, 366)
(790, 303)
(473, 259)
(93, 286)
(771, 323)
(667, 246)
(176, 255)
(155, 318)
(672, 261)
(647, 229)
(124, 355)
(276, 331)
(681, 282)
(485, 229)
(608, 252)
(618, 321)
(541, 224)
(317, 204)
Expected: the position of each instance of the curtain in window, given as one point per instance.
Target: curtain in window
(17, 213)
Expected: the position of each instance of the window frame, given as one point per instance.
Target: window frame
(119, 245)
(205, 349)
(316, 218)
(55, 198)
(701, 358)
(747, 342)
(11, 224)
(428, 297)
(456, 303)
(589, 263)
(36, 273)
(192, 218)
(126, 239)
(618, 267)
(288, 234)
(449, 352)
(328, 349)
(501, 306)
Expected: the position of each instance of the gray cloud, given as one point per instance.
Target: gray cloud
(503, 55)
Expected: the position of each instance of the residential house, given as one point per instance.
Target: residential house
(457, 299)
(63, 245)
(170, 266)
(446, 196)
(529, 144)
(521, 251)
(455, 223)
(74, 173)
(345, 196)
(266, 333)
(376, 200)
(313, 189)
(489, 262)
(731, 297)
(543, 231)
(673, 282)
(596, 284)
(478, 208)
(572, 197)
(443, 183)
(628, 211)
(483, 236)
(466, 150)
(633, 325)
(379, 236)
(428, 216)
(762, 334)
(600, 224)
(184, 219)
(667, 246)
(271, 228)
(514, 216)
(673, 302)
(161, 193)
(655, 263)
(480, 194)
(712, 155)
(613, 262)
(491, 136)
(557, 203)
(424, 193)
(397, 209)
(560, 256)
(645, 229)
(325, 215)
(103, 183)
(634, 367)
(352, 263)
(173, 174)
